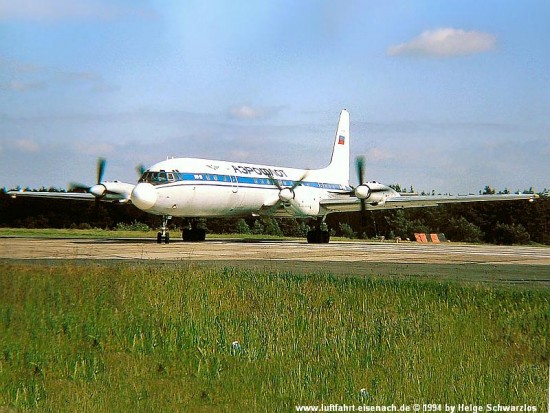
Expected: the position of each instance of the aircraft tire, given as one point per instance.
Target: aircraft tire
(318, 237)
(167, 238)
(201, 234)
(159, 237)
(193, 235)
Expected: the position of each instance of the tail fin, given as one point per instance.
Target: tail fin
(338, 168)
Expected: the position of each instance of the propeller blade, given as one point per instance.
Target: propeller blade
(363, 213)
(273, 208)
(299, 182)
(141, 169)
(274, 182)
(75, 186)
(360, 163)
(100, 169)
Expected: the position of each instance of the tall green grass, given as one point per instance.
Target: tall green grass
(153, 337)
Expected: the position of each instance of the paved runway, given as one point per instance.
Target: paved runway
(238, 250)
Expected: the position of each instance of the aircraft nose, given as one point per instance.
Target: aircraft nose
(144, 196)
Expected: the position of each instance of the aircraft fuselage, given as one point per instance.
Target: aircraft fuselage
(191, 187)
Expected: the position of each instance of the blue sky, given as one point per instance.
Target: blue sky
(444, 95)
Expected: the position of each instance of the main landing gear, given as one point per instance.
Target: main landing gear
(164, 234)
(319, 235)
(193, 234)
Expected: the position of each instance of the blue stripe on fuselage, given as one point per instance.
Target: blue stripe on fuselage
(247, 180)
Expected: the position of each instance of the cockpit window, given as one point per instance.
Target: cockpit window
(157, 177)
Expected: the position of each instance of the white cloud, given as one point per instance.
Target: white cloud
(27, 145)
(378, 154)
(445, 42)
(246, 112)
(20, 86)
(27, 76)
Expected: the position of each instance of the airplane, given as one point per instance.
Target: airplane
(196, 188)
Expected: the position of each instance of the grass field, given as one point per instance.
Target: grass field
(73, 233)
(101, 233)
(179, 337)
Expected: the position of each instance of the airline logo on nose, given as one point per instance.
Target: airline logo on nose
(341, 140)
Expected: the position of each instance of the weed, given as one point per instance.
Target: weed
(179, 337)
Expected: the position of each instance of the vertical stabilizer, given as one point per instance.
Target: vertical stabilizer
(338, 168)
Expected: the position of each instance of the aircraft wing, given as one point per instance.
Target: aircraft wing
(80, 196)
(350, 203)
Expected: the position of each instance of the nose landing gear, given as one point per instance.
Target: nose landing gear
(164, 234)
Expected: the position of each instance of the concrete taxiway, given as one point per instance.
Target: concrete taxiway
(242, 250)
(486, 264)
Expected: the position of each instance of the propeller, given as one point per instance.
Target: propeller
(98, 190)
(372, 191)
(286, 193)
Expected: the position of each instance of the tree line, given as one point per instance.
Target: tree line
(509, 222)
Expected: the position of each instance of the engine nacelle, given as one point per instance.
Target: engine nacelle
(372, 192)
(304, 203)
(117, 187)
(376, 198)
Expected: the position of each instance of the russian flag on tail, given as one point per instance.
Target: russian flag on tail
(341, 140)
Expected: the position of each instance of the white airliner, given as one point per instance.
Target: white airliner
(195, 188)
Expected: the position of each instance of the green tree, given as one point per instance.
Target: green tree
(346, 230)
(459, 229)
(258, 228)
(241, 227)
(271, 227)
(488, 190)
(510, 234)
(404, 227)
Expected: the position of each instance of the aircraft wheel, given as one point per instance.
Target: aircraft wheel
(201, 234)
(185, 234)
(167, 238)
(193, 235)
(159, 237)
(318, 236)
